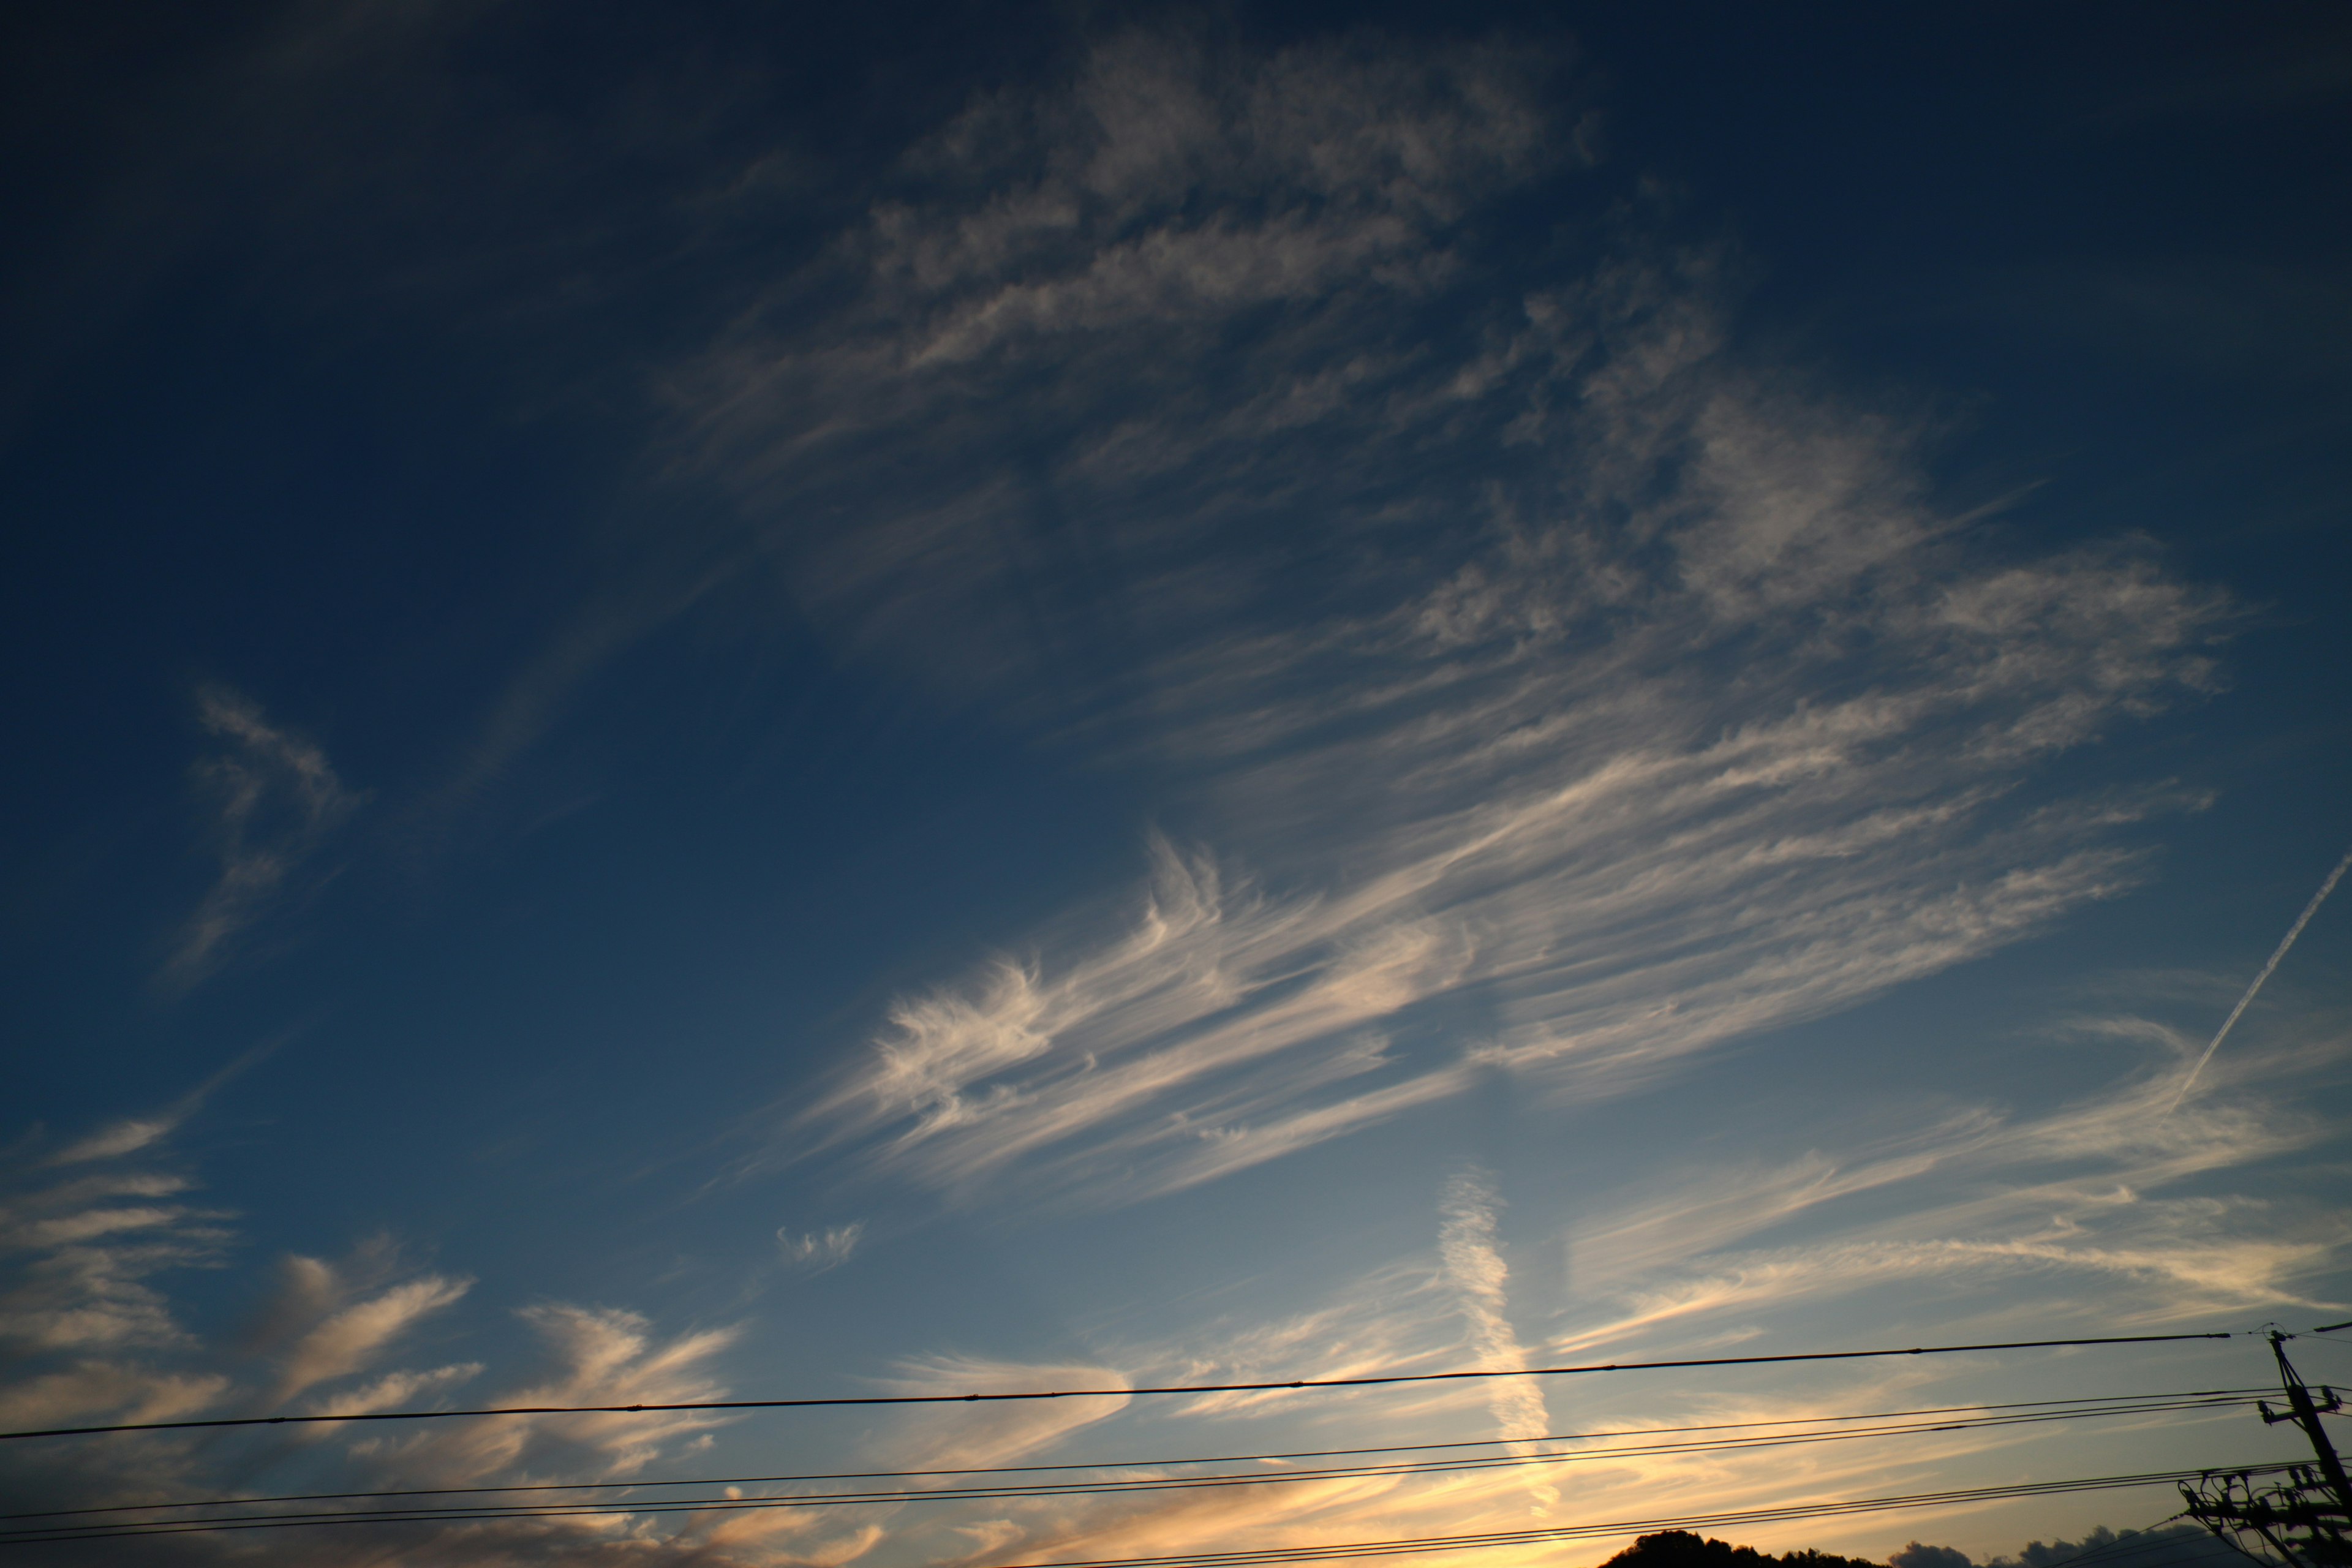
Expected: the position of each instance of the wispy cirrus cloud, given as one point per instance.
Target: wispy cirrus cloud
(2125, 1221)
(2100, 1219)
(275, 799)
(1476, 1268)
(349, 1328)
(2125, 1215)
(93, 1334)
(1549, 687)
(130, 1134)
(815, 1251)
(1007, 1434)
(82, 1252)
(2105, 1250)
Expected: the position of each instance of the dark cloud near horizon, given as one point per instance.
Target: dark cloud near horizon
(2164, 1546)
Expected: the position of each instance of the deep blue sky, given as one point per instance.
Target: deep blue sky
(964, 696)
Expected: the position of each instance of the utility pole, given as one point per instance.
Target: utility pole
(2304, 1414)
(2305, 1519)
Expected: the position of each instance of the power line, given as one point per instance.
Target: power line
(1235, 1559)
(734, 1501)
(2139, 1543)
(2081, 1407)
(1620, 1527)
(1179, 1483)
(1098, 1392)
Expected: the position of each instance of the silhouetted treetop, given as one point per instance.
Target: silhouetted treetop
(1681, 1549)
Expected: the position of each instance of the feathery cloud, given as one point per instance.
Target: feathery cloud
(275, 800)
(352, 1336)
(1475, 1267)
(818, 1250)
(93, 1336)
(1522, 656)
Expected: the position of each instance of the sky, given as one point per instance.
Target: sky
(717, 702)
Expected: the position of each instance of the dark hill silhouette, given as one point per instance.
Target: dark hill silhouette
(1681, 1549)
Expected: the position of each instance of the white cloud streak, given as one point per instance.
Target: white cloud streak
(133, 1133)
(353, 1336)
(2189, 1078)
(1474, 1267)
(81, 1254)
(816, 1251)
(91, 1336)
(275, 799)
(2121, 1221)
(1562, 695)
(2126, 1219)
(1001, 1435)
(2121, 1214)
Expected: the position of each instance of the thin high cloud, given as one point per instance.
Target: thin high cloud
(2112, 1218)
(1476, 1268)
(2099, 1222)
(132, 1133)
(336, 1327)
(1007, 1434)
(1545, 687)
(88, 1256)
(2121, 1221)
(816, 1251)
(2116, 1213)
(2098, 1245)
(274, 799)
(2286, 941)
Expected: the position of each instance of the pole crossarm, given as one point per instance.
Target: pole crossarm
(2303, 1515)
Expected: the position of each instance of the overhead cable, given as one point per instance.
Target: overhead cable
(1644, 1527)
(1240, 1558)
(2082, 1405)
(491, 1507)
(1096, 1392)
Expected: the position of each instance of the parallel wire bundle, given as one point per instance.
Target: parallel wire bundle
(1639, 1526)
(643, 1498)
(1115, 1390)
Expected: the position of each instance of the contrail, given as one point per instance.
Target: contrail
(2286, 941)
(1474, 1262)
